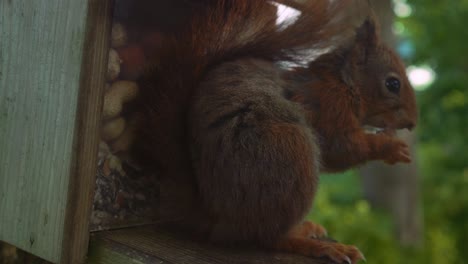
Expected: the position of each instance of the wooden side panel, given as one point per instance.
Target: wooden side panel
(48, 123)
(88, 123)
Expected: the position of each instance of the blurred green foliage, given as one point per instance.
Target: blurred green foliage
(340, 208)
(438, 33)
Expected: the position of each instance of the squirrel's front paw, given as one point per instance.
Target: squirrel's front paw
(396, 151)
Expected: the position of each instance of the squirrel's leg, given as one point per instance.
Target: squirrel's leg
(256, 182)
(256, 164)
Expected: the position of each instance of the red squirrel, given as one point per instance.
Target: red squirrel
(357, 114)
(238, 141)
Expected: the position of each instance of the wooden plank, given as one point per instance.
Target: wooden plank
(87, 131)
(153, 245)
(49, 113)
(109, 252)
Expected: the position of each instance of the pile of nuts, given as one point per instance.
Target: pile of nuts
(124, 196)
(121, 89)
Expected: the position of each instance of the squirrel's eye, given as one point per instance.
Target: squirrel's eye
(393, 85)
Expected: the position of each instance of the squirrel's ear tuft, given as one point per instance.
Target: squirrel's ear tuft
(367, 33)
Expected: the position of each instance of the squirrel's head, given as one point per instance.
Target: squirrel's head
(387, 97)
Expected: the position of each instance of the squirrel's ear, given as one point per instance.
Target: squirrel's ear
(367, 33)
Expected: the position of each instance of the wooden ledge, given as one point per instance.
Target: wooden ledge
(148, 244)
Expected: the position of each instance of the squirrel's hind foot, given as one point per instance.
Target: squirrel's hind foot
(305, 240)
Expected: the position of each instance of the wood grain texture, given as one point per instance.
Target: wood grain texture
(87, 131)
(153, 245)
(109, 252)
(48, 121)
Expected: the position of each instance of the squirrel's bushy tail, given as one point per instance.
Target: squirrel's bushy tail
(223, 31)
